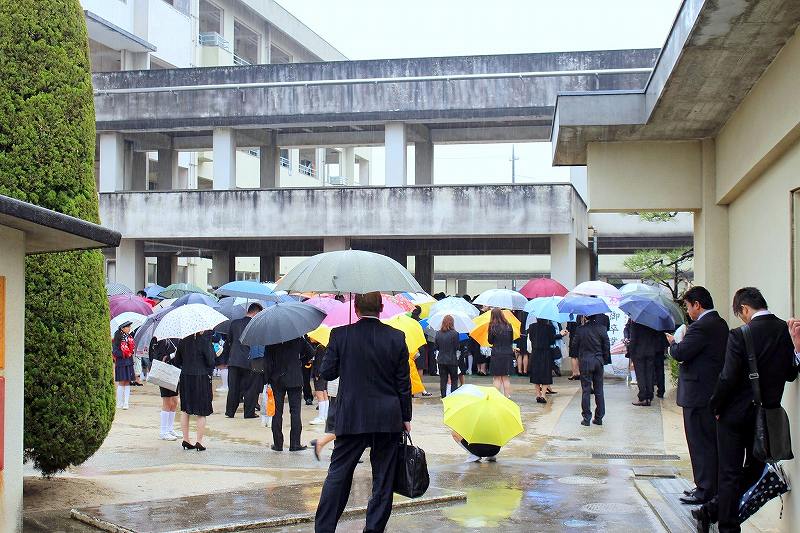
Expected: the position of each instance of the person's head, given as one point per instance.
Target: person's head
(369, 304)
(125, 327)
(498, 320)
(141, 293)
(339, 298)
(416, 313)
(697, 300)
(448, 324)
(747, 302)
(254, 308)
(468, 298)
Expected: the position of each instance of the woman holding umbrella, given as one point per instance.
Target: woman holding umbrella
(501, 337)
(195, 357)
(543, 336)
(122, 348)
(447, 344)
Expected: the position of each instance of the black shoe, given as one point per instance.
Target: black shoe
(251, 416)
(597, 422)
(585, 422)
(690, 492)
(574, 378)
(298, 448)
(229, 416)
(187, 446)
(539, 399)
(313, 445)
(199, 447)
(692, 500)
(548, 391)
(309, 402)
(273, 447)
(659, 395)
(703, 520)
(643, 403)
(557, 372)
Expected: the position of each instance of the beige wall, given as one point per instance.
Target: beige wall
(12, 266)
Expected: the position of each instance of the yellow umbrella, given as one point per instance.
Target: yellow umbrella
(481, 331)
(415, 336)
(482, 415)
(321, 335)
(485, 507)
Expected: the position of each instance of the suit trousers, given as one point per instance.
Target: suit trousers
(658, 367)
(295, 399)
(240, 383)
(645, 373)
(444, 372)
(336, 490)
(735, 445)
(592, 377)
(308, 394)
(701, 437)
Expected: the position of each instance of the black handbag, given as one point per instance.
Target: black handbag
(773, 440)
(411, 477)
(772, 484)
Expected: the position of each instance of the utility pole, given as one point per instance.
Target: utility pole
(514, 159)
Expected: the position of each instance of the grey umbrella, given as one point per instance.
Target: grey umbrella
(280, 323)
(349, 271)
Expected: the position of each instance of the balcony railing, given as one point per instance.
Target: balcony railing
(238, 60)
(285, 162)
(308, 170)
(213, 38)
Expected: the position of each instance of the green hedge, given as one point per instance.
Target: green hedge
(47, 138)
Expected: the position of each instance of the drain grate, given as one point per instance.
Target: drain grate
(652, 457)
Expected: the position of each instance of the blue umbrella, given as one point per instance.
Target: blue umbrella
(547, 309)
(648, 312)
(153, 290)
(583, 305)
(195, 298)
(245, 289)
(272, 299)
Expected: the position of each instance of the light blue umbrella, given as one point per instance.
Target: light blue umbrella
(547, 308)
(153, 291)
(648, 312)
(245, 289)
(583, 305)
(195, 298)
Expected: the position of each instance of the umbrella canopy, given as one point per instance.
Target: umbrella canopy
(482, 415)
(637, 287)
(325, 303)
(176, 290)
(136, 320)
(502, 298)
(481, 331)
(245, 289)
(153, 291)
(597, 288)
(455, 304)
(164, 304)
(187, 320)
(547, 308)
(666, 301)
(280, 323)
(321, 335)
(648, 312)
(349, 271)
(233, 307)
(583, 305)
(144, 334)
(415, 337)
(123, 303)
(543, 287)
(462, 323)
(195, 298)
(346, 313)
(115, 289)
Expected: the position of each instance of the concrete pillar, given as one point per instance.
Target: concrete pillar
(294, 161)
(423, 163)
(334, 244)
(462, 287)
(232, 266)
(167, 167)
(130, 264)
(583, 270)
(164, 270)
(134, 60)
(363, 172)
(711, 245)
(395, 144)
(112, 162)
(347, 164)
(423, 271)
(451, 286)
(220, 275)
(270, 163)
(563, 260)
(139, 171)
(269, 267)
(319, 165)
(224, 143)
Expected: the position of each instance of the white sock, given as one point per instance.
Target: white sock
(323, 410)
(223, 374)
(164, 422)
(119, 395)
(170, 421)
(126, 394)
(448, 389)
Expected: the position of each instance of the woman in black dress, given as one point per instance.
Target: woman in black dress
(162, 350)
(501, 337)
(122, 349)
(195, 358)
(542, 334)
(447, 344)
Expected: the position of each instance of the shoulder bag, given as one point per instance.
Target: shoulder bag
(773, 441)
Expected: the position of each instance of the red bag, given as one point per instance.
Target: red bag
(127, 347)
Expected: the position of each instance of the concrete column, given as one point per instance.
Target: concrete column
(269, 267)
(363, 172)
(451, 286)
(134, 60)
(294, 161)
(139, 171)
(164, 270)
(167, 167)
(334, 244)
(395, 144)
(423, 163)
(423, 271)
(232, 266)
(224, 143)
(563, 260)
(584, 265)
(220, 275)
(270, 164)
(462, 287)
(130, 264)
(347, 164)
(112, 162)
(319, 165)
(711, 245)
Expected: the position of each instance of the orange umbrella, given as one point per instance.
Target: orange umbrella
(481, 331)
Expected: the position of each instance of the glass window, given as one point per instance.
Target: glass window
(278, 56)
(210, 18)
(245, 45)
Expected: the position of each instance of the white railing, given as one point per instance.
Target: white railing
(238, 60)
(285, 162)
(308, 170)
(213, 38)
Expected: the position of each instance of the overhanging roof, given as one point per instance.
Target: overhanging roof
(50, 231)
(114, 37)
(715, 53)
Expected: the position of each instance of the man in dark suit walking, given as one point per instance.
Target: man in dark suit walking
(284, 371)
(374, 407)
(240, 373)
(593, 351)
(700, 354)
(645, 343)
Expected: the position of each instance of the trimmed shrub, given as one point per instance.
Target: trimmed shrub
(47, 138)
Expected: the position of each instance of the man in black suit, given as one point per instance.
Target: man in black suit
(284, 371)
(593, 352)
(374, 407)
(240, 374)
(700, 354)
(732, 401)
(645, 343)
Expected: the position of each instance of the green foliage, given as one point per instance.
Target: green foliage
(674, 368)
(668, 268)
(47, 135)
(657, 216)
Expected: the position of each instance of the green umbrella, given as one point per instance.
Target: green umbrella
(176, 290)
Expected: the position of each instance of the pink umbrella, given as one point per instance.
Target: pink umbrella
(400, 300)
(346, 314)
(543, 287)
(324, 303)
(123, 303)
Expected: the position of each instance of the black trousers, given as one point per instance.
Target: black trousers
(592, 376)
(295, 399)
(336, 490)
(307, 393)
(701, 436)
(645, 373)
(446, 371)
(735, 445)
(658, 368)
(240, 384)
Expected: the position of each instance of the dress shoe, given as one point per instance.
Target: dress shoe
(298, 448)
(703, 520)
(573, 378)
(642, 403)
(692, 500)
(549, 391)
(187, 446)
(585, 422)
(251, 416)
(199, 447)
(540, 399)
(597, 422)
(690, 492)
(273, 447)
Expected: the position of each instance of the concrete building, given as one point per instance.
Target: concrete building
(26, 229)
(714, 132)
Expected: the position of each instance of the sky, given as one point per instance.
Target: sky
(375, 29)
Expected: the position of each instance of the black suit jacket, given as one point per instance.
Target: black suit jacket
(733, 394)
(237, 353)
(284, 362)
(371, 361)
(700, 354)
(645, 341)
(591, 340)
(195, 355)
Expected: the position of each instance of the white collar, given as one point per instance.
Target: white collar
(763, 312)
(704, 313)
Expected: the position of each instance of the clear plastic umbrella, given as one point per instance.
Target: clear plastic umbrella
(455, 304)
(461, 322)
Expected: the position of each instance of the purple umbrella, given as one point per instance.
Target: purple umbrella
(124, 303)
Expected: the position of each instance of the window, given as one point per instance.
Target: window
(245, 45)
(180, 5)
(210, 18)
(278, 56)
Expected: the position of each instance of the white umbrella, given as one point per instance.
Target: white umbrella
(597, 288)
(502, 298)
(462, 323)
(136, 320)
(164, 304)
(188, 320)
(455, 304)
(637, 287)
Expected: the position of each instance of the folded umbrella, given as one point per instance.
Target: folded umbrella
(502, 298)
(187, 320)
(543, 287)
(583, 305)
(461, 322)
(114, 289)
(482, 415)
(597, 288)
(281, 323)
(481, 331)
(647, 312)
(454, 304)
(136, 320)
(245, 289)
(123, 303)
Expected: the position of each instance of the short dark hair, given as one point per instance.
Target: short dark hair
(255, 307)
(699, 295)
(370, 303)
(143, 294)
(749, 296)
